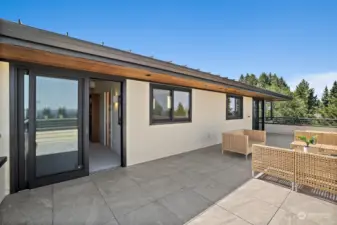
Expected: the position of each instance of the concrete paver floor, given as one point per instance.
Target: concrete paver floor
(166, 191)
(198, 187)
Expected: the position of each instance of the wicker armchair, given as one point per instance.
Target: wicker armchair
(241, 141)
(274, 161)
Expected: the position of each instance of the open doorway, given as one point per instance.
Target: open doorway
(104, 125)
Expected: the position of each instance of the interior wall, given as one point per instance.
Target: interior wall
(147, 142)
(4, 129)
(101, 118)
(116, 128)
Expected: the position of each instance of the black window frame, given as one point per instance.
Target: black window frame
(230, 117)
(171, 118)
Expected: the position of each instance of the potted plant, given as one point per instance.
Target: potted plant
(307, 141)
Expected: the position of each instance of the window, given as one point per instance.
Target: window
(169, 104)
(234, 107)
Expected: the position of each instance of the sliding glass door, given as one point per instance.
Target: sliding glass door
(258, 114)
(50, 128)
(56, 126)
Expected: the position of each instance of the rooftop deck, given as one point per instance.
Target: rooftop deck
(170, 191)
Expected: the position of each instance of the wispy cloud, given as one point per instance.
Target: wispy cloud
(317, 81)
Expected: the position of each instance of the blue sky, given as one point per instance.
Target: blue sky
(295, 39)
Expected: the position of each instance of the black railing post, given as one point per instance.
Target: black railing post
(263, 114)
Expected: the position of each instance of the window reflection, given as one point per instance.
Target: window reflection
(181, 104)
(234, 107)
(161, 104)
(56, 125)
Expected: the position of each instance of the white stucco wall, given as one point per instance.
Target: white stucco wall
(147, 142)
(4, 127)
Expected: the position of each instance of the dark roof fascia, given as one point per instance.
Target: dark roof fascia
(13, 31)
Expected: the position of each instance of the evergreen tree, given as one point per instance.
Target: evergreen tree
(274, 79)
(251, 79)
(158, 109)
(312, 102)
(62, 112)
(333, 91)
(46, 112)
(180, 110)
(264, 80)
(242, 78)
(282, 83)
(325, 97)
(302, 90)
(304, 103)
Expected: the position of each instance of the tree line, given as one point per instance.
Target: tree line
(304, 103)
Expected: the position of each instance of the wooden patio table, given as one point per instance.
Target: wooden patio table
(299, 146)
(321, 149)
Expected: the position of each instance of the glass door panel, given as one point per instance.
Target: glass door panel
(258, 114)
(56, 126)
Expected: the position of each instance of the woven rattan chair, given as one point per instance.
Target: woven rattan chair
(274, 161)
(316, 171)
(241, 141)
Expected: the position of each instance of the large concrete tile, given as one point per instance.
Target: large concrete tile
(216, 215)
(151, 214)
(251, 209)
(265, 191)
(112, 222)
(142, 173)
(197, 175)
(80, 204)
(185, 203)
(221, 162)
(183, 179)
(164, 167)
(70, 183)
(28, 207)
(233, 177)
(111, 182)
(160, 187)
(283, 217)
(128, 200)
(312, 208)
(212, 190)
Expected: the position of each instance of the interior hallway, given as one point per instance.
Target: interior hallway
(102, 158)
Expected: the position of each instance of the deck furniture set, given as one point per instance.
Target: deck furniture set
(316, 168)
